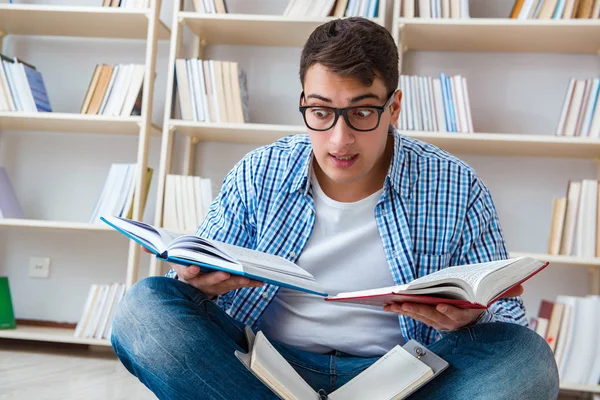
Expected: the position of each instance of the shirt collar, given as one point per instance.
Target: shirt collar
(398, 175)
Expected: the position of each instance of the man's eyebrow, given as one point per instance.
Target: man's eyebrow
(353, 100)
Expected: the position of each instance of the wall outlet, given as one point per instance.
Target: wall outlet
(39, 267)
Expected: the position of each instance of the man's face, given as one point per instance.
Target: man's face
(347, 159)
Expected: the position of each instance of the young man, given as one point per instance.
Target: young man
(359, 206)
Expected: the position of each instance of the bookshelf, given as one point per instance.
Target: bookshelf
(73, 123)
(85, 23)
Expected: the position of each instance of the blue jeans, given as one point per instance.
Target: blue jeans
(181, 346)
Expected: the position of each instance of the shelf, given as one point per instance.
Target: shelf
(580, 388)
(72, 123)
(244, 29)
(237, 133)
(101, 22)
(493, 144)
(46, 334)
(510, 144)
(501, 35)
(40, 224)
(564, 260)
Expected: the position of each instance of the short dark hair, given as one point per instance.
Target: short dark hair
(355, 47)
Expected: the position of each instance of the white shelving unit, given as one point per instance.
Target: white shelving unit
(86, 22)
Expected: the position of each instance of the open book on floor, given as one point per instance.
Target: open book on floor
(397, 374)
(465, 286)
(213, 255)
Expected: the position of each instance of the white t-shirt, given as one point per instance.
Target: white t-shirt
(344, 253)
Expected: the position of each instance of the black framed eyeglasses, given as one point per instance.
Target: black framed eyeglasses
(359, 118)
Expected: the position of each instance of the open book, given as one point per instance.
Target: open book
(214, 255)
(465, 286)
(395, 375)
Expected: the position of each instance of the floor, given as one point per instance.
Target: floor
(41, 371)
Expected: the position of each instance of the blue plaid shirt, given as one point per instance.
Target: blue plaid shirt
(434, 212)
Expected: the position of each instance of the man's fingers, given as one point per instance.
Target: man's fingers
(514, 292)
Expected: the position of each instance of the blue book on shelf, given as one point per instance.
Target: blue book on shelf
(38, 89)
(213, 255)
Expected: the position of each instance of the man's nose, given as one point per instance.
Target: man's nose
(341, 134)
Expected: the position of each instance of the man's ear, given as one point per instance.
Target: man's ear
(395, 106)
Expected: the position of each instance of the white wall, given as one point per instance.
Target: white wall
(59, 176)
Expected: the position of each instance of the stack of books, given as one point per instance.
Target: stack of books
(126, 3)
(117, 195)
(9, 205)
(435, 104)
(333, 8)
(211, 91)
(580, 115)
(570, 326)
(210, 6)
(574, 225)
(187, 200)
(555, 9)
(99, 308)
(22, 87)
(434, 8)
(115, 90)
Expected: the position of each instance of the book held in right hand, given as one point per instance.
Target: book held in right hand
(466, 286)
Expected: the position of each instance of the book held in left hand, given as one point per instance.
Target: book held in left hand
(216, 256)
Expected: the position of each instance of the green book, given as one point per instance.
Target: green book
(7, 315)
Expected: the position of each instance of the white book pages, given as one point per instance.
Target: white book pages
(197, 95)
(416, 102)
(565, 334)
(574, 109)
(135, 87)
(203, 93)
(199, 6)
(112, 103)
(120, 195)
(107, 311)
(439, 105)
(87, 310)
(589, 107)
(104, 194)
(580, 359)
(595, 125)
(97, 311)
(24, 89)
(467, 105)
(585, 236)
(123, 89)
(424, 9)
(408, 8)
(118, 297)
(565, 108)
(460, 103)
(192, 90)
(128, 203)
(402, 120)
(8, 69)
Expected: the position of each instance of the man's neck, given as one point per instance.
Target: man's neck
(363, 188)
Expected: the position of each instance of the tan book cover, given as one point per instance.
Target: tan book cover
(554, 325)
(220, 6)
(517, 8)
(227, 90)
(585, 8)
(568, 234)
(559, 208)
(548, 9)
(100, 91)
(90, 90)
(340, 8)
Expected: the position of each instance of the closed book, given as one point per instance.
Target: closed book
(7, 315)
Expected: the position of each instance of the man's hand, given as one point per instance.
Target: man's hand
(211, 283)
(443, 316)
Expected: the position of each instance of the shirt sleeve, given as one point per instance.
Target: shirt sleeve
(481, 241)
(228, 219)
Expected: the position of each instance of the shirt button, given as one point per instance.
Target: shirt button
(265, 295)
(293, 254)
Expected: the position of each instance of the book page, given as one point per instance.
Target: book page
(391, 377)
(471, 274)
(277, 373)
(148, 236)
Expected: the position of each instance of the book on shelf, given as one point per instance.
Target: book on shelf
(115, 90)
(211, 91)
(126, 3)
(434, 9)
(216, 256)
(395, 375)
(98, 310)
(435, 104)
(474, 286)
(210, 6)
(118, 192)
(570, 324)
(9, 204)
(575, 221)
(580, 114)
(7, 314)
(331, 8)
(555, 9)
(187, 200)
(22, 87)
